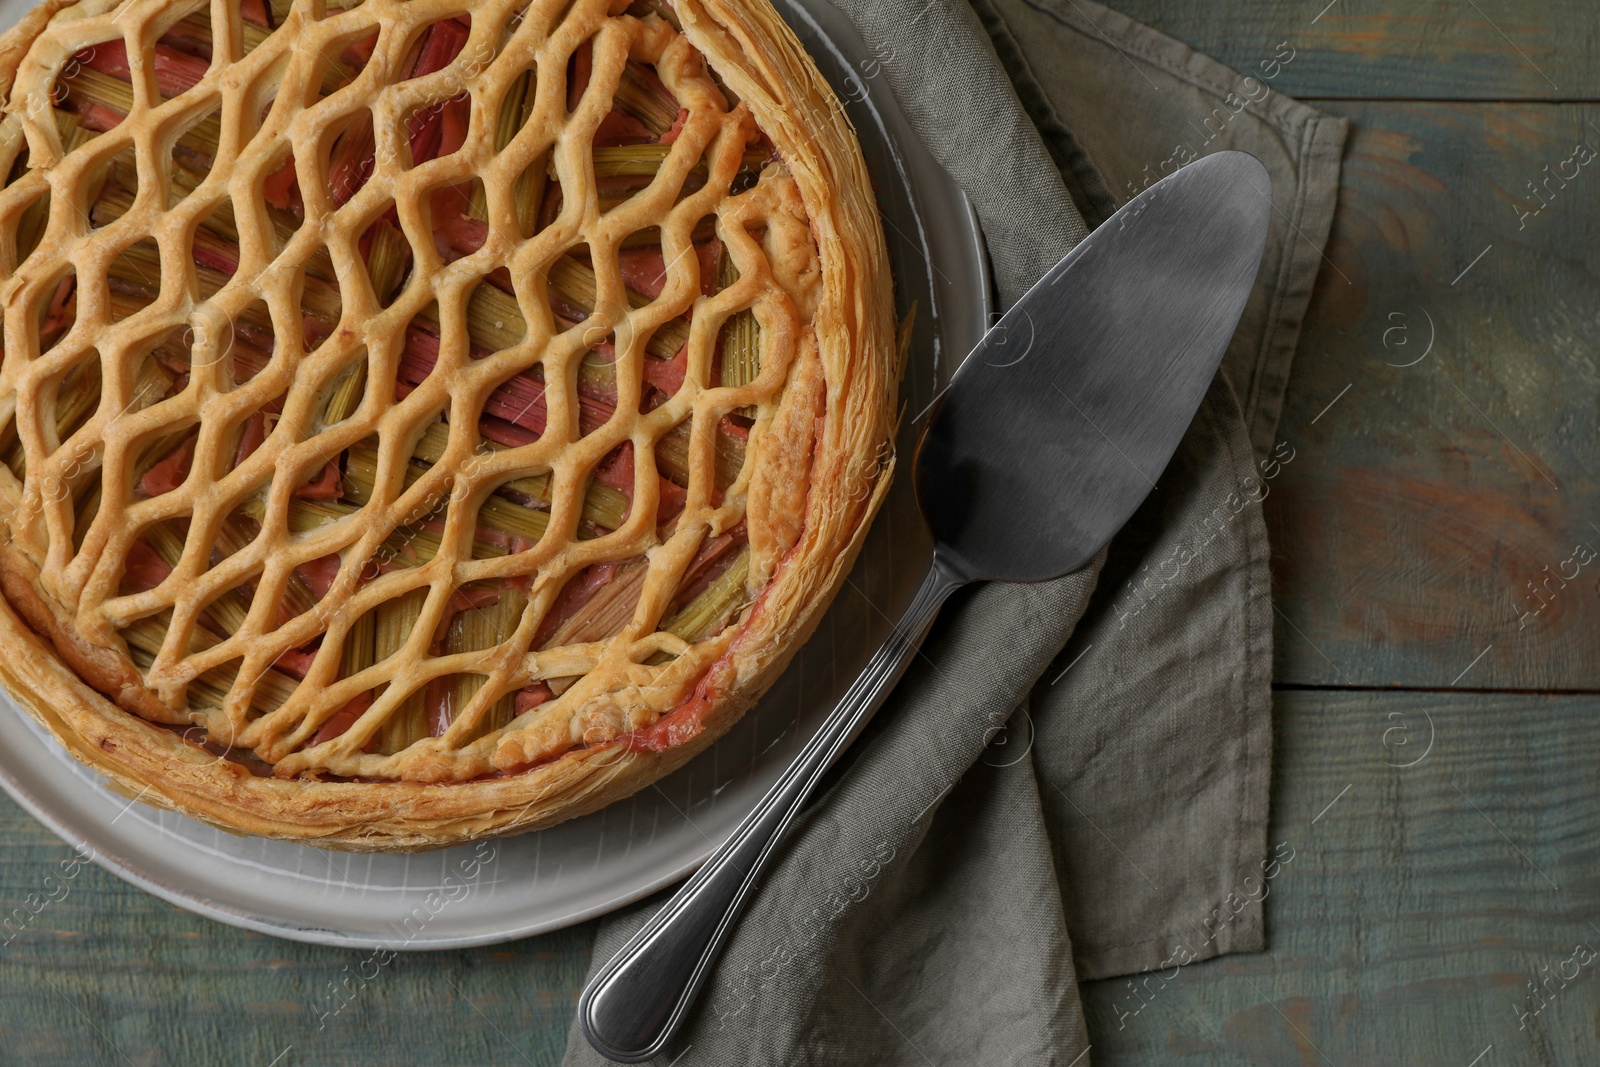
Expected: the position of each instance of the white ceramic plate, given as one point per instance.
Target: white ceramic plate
(497, 891)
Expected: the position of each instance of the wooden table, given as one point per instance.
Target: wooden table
(1431, 486)
(1443, 408)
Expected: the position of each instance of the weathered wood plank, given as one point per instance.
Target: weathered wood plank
(1438, 495)
(1441, 49)
(1418, 904)
(107, 974)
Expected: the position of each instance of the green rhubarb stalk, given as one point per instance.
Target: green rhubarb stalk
(408, 722)
(641, 95)
(720, 601)
(360, 646)
(388, 260)
(227, 611)
(76, 398)
(273, 689)
(145, 637)
(476, 630)
(346, 396)
(645, 160)
(741, 337)
(513, 113)
(576, 283)
(87, 508)
(31, 224)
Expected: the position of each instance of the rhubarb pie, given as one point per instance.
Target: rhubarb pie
(423, 420)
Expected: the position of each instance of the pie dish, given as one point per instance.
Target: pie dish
(424, 421)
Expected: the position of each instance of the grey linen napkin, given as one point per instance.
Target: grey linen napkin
(1071, 781)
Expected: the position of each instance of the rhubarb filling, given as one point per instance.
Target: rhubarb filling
(567, 602)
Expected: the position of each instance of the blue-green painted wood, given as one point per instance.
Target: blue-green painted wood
(96, 972)
(1444, 503)
(1432, 49)
(1419, 902)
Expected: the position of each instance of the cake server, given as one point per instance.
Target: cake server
(1075, 402)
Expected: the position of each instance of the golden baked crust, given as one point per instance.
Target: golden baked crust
(417, 520)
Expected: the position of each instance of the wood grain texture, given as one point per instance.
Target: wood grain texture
(107, 974)
(1432, 509)
(1438, 49)
(1415, 909)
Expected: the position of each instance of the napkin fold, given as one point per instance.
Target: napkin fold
(1071, 781)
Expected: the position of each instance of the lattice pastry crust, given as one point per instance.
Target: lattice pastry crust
(424, 420)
